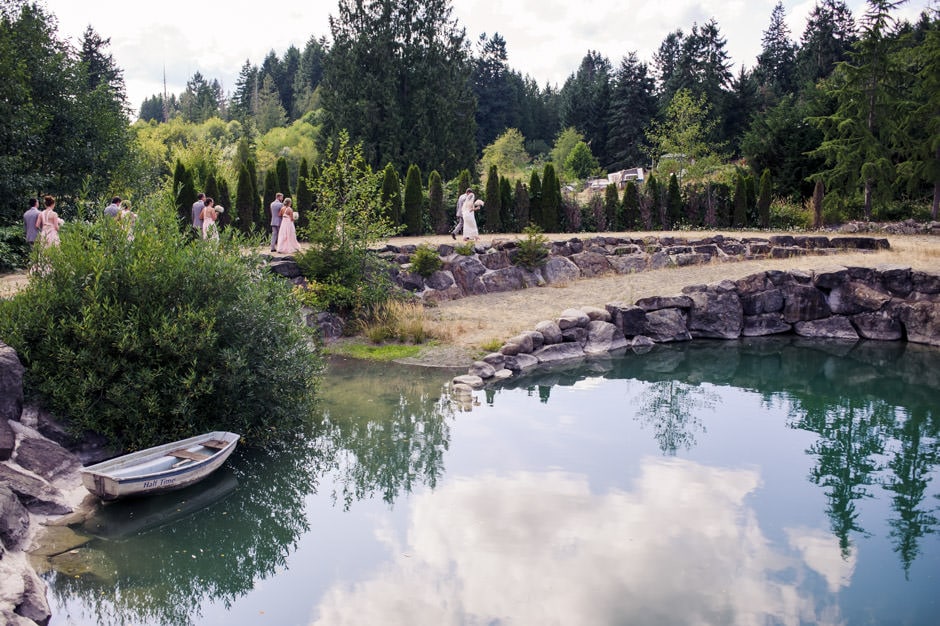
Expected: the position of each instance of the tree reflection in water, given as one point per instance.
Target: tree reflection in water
(872, 405)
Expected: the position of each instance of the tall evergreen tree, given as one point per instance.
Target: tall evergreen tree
(535, 199)
(506, 218)
(391, 195)
(283, 176)
(303, 197)
(225, 201)
(764, 199)
(493, 89)
(398, 79)
(631, 207)
(776, 64)
(632, 107)
(413, 202)
(550, 201)
(491, 198)
(611, 207)
(271, 189)
(243, 104)
(585, 101)
(859, 136)
(211, 187)
(740, 201)
(440, 217)
(244, 202)
(673, 202)
(520, 207)
(653, 199)
(829, 35)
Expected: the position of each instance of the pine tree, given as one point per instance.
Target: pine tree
(391, 195)
(632, 108)
(491, 198)
(585, 102)
(440, 218)
(611, 207)
(225, 199)
(179, 192)
(413, 202)
(651, 193)
(535, 199)
(776, 64)
(551, 200)
(764, 199)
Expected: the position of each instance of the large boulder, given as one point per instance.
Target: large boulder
(508, 279)
(46, 458)
(14, 519)
(852, 297)
(560, 269)
(630, 319)
(764, 324)
(835, 327)
(591, 263)
(656, 303)
(467, 271)
(716, 311)
(11, 383)
(921, 321)
(666, 325)
(440, 280)
(37, 495)
(629, 263)
(559, 352)
(603, 337)
(803, 303)
(550, 331)
(482, 369)
(880, 325)
(571, 318)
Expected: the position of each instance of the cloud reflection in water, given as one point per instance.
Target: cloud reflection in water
(683, 547)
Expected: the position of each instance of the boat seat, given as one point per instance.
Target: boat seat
(183, 453)
(215, 444)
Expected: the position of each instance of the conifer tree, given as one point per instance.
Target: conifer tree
(505, 204)
(181, 193)
(271, 189)
(492, 216)
(225, 199)
(283, 176)
(764, 199)
(414, 201)
(652, 200)
(535, 199)
(244, 201)
(521, 207)
(257, 202)
(631, 207)
(673, 202)
(611, 207)
(740, 201)
(211, 187)
(391, 195)
(551, 199)
(438, 214)
(463, 182)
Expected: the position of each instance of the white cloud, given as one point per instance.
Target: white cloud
(681, 547)
(545, 39)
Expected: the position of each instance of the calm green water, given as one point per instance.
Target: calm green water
(752, 482)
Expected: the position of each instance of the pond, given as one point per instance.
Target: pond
(765, 481)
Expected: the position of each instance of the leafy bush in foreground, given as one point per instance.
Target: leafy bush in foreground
(157, 337)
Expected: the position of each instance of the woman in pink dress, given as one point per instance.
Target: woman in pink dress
(209, 216)
(287, 234)
(48, 223)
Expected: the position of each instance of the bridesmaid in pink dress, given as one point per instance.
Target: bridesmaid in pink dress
(209, 228)
(287, 234)
(48, 223)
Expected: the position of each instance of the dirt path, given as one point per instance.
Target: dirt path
(474, 321)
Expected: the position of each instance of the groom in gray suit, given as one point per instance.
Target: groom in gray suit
(276, 219)
(29, 221)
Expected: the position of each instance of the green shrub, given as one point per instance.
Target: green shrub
(14, 253)
(533, 249)
(787, 215)
(464, 249)
(425, 261)
(159, 338)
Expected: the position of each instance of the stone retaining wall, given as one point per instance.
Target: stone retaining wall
(492, 267)
(886, 303)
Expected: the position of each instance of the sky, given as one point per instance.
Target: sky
(545, 39)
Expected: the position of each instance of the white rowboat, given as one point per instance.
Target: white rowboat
(163, 468)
